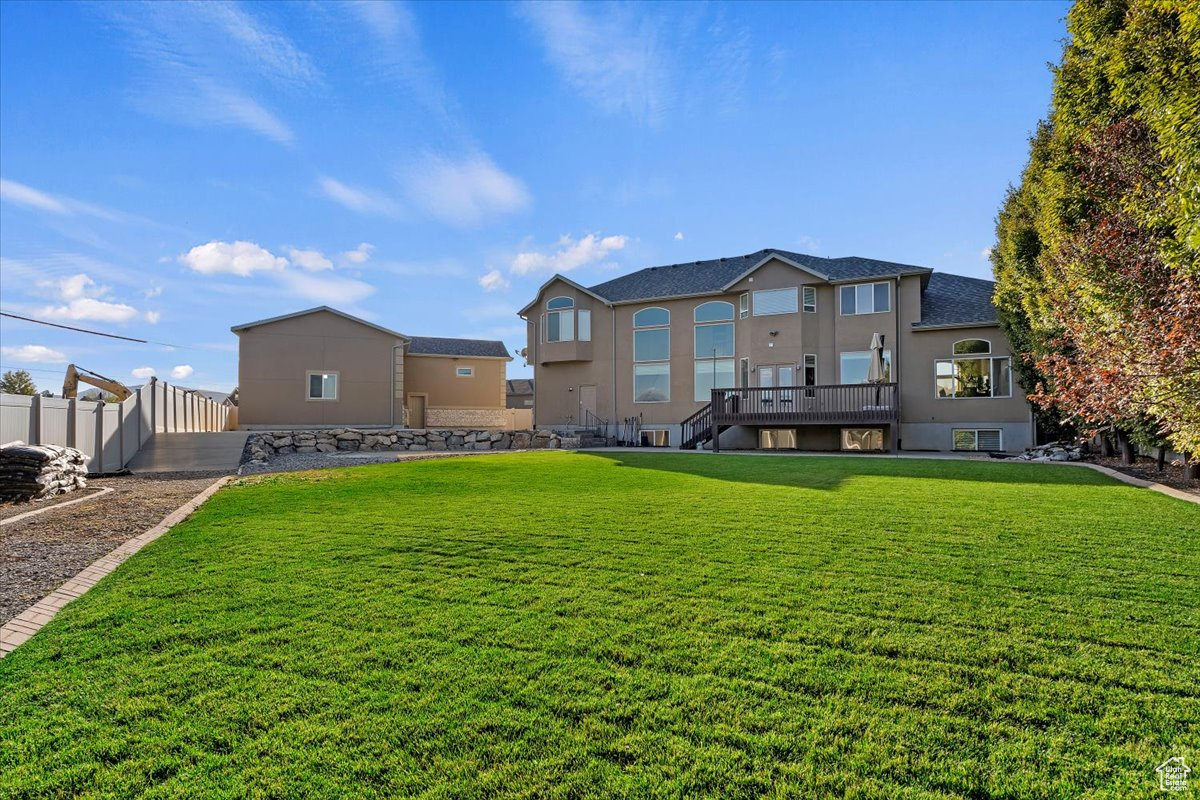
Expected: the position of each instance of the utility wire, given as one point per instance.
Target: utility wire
(93, 333)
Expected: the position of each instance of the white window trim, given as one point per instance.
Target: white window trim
(579, 312)
(743, 305)
(571, 300)
(988, 342)
(666, 437)
(570, 328)
(337, 385)
(633, 375)
(856, 312)
(816, 368)
(975, 431)
(470, 372)
(804, 292)
(991, 371)
(795, 297)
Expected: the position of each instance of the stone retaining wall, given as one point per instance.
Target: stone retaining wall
(262, 446)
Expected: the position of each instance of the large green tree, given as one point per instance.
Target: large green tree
(17, 382)
(1097, 258)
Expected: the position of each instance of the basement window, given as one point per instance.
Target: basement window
(984, 439)
(654, 438)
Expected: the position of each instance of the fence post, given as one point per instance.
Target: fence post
(98, 412)
(35, 408)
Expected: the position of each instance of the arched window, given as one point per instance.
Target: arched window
(559, 320)
(714, 368)
(651, 317)
(652, 355)
(714, 311)
(970, 347)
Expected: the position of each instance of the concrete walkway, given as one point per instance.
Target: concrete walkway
(191, 452)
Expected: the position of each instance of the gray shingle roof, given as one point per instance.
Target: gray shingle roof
(441, 346)
(700, 277)
(520, 386)
(956, 300)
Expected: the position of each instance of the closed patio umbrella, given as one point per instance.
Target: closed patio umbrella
(875, 368)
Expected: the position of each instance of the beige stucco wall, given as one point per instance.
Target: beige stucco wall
(561, 370)
(274, 359)
(435, 377)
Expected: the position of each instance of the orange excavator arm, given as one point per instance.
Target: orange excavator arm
(76, 375)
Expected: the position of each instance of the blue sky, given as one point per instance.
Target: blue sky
(171, 169)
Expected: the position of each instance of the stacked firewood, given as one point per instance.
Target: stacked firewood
(34, 471)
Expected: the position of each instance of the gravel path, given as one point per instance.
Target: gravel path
(39, 554)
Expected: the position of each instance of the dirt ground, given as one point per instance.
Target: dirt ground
(39, 554)
(1147, 470)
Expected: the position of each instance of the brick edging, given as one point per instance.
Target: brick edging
(22, 627)
(100, 492)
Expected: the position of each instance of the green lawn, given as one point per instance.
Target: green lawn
(570, 625)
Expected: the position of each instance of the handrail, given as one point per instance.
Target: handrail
(830, 403)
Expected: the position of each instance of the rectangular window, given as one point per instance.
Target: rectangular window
(744, 305)
(322, 385)
(714, 341)
(652, 383)
(652, 344)
(972, 377)
(712, 373)
(585, 325)
(810, 298)
(464, 372)
(862, 438)
(777, 438)
(744, 372)
(775, 301)
(655, 438)
(982, 439)
(560, 326)
(810, 369)
(866, 298)
(856, 365)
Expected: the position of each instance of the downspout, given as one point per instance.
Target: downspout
(612, 349)
(392, 399)
(896, 364)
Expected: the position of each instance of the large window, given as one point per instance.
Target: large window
(322, 385)
(585, 325)
(714, 368)
(973, 377)
(651, 383)
(776, 301)
(651, 355)
(713, 373)
(866, 298)
(856, 365)
(560, 320)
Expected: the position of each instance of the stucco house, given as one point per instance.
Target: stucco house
(324, 367)
(772, 349)
(520, 392)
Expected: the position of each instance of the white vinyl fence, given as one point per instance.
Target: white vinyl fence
(110, 434)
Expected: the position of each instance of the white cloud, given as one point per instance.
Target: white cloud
(22, 195)
(358, 255)
(464, 192)
(153, 317)
(570, 254)
(333, 290)
(609, 54)
(34, 354)
(311, 260)
(238, 258)
(679, 236)
(80, 298)
(90, 308)
(203, 61)
(142, 373)
(363, 201)
(493, 281)
(181, 371)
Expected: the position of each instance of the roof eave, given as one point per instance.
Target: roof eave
(258, 323)
(921, 326)
(458, 355)
(559, 277)
(764, 260)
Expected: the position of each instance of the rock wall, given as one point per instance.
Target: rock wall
(262, 446)
(466, 418)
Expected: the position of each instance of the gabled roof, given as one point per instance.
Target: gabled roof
(564, 279)
(955, 300)
(306, 312)
(716, 275)
(441, 346)
(519, 386)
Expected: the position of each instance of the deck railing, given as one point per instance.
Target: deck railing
(798, 405)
